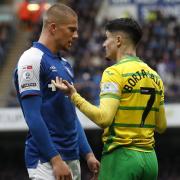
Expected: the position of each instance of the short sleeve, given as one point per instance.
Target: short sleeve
(29, 72)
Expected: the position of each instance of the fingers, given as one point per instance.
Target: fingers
(95, 170)
(58, 82)
(67, 83)
(95, 167)
(69, 177)
(64, 178)
(94, 176)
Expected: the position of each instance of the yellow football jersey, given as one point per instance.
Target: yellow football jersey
(140, 92)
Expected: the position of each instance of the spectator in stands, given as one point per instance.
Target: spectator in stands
(6, 31)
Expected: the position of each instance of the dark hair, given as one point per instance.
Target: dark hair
(127, 25)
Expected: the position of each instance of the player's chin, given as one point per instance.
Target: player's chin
(66, 48)
(107, 57)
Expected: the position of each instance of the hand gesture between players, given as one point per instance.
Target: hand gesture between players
(64, 86)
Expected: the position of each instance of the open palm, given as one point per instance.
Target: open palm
(64, 86)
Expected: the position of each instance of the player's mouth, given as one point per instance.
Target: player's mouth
(69, 43)
(106, 51)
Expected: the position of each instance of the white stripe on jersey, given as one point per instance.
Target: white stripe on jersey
(64, 59)
(29, 70)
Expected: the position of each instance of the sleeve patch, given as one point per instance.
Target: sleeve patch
(29, 70)
(27, 75)
(109, 87)
(28, 81)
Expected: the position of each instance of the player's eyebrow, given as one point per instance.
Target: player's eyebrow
(73, 28)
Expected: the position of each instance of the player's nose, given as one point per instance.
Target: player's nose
(75, 35)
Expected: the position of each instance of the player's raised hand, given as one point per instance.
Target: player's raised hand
(64, 86)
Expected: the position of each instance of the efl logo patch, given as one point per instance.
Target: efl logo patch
(27, 75)
(109, 87)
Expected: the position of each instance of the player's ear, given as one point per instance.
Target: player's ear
(119, 40)
(52, 28)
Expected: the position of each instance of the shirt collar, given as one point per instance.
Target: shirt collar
(128, 58)
(46, 50)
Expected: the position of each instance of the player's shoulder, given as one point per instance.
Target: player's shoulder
(111, 70)
(111, 73)
(31, 56)
(152, 71)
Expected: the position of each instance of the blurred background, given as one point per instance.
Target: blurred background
(20, 25)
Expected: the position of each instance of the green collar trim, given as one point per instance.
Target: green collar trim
(128, 58)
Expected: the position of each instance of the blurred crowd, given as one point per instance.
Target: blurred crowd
(6, 31)
(159, 47)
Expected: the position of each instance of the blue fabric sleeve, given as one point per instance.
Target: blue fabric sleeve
(84, 147)
(32, 113)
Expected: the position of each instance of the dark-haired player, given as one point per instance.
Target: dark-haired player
(131, 107)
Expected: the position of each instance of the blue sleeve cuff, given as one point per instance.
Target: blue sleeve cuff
(30, 93)
(84, 147)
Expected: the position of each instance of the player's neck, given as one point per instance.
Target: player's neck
(125, 52)
(48, 42)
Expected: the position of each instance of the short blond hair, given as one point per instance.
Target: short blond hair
(58, 13)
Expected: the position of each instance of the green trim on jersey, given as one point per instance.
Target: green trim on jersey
(136, 108)
(130, 74)
(127, 60)
(133, 125)
(109, 141)
(162, 103)
(114, 96)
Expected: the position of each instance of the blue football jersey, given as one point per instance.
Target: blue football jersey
(36, 68)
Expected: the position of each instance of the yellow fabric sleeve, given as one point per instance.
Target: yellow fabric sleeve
(161, 123)
(102, 115)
